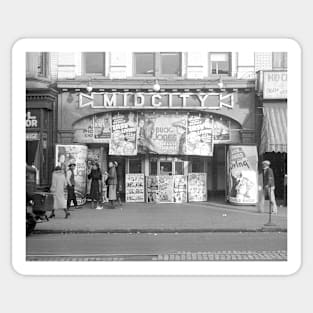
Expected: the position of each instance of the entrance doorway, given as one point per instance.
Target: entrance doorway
(120, 171)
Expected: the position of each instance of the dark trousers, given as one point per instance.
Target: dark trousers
(71, 196)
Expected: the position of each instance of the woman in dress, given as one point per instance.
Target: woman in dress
(57, 188)
(96, 178)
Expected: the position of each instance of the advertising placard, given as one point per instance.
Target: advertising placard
(165, 188)
(102, 127)
(221, 130)
(275, 85)
(242, 169)
(135, 188)
(197, 190)
(124, 134)
(199, 135)
(152, 188)
(162, 134)
(83, 130)
(180, 189)
(66, 154)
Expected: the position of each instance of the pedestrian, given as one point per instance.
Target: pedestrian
(269, 185)
(119, 185)
(112, 182)
(70, 178)
(96, 177)
(57, 188)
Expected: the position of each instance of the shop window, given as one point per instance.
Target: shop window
(197, 166)
(43, 67)
(157, 64)
(279, 60)
(153, 167)
(135, 166)
(220, 63)
(179, 168)
(94, 63)
(166, 168)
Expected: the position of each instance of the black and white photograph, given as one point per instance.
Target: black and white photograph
(158, 154)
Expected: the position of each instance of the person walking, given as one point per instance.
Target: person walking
(70, 178)
(96, 177)
(57, 188)
(118, 185)
(112, 182)
(269, 185)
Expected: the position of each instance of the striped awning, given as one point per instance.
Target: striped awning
(274, 128)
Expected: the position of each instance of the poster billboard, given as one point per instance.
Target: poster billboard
(242, 170)
(162, 133)
(199, 135)
(197, 187)
(152, 188)
(83, 130)
(135, 188)
(180, 189)
(124, 134)
(221, 130)
(165, 188)
(66, 154)
(102, 127)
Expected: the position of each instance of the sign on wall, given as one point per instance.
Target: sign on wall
(33, 119)
(197, 187)
(135, 188)
(275, 85)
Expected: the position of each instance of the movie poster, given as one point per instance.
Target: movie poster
(242, 169)
(165, 188)
(221, 130)
(199, 136)
(83, 130)
(102, 127)
(197, 189)
(180, 189)
(124, 134)
(152, 188)
(66, 154)
(135, 188)
(162, 133)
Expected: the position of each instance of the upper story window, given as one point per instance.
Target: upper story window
(220, 63)
(157, 64)
(94, 63)
(279, 60)
(43, 66)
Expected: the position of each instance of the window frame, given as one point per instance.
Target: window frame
(210, 68)
(284, 59)
(43, 68)
(84, 67)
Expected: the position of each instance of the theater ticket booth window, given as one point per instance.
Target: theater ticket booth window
(165, 165)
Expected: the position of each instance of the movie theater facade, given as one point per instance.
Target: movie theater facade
(188, 141)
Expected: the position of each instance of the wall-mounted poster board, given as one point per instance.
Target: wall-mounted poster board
(197, 187)
(135, 187)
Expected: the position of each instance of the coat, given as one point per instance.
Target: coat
(112, 180)
(57, 188)
(268, 177)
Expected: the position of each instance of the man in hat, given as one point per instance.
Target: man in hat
(269, 185)
(70, 178)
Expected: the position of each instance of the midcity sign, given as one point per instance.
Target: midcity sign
(100, 100)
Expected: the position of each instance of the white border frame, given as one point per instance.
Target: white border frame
(23, 267)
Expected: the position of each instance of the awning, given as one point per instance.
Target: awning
(274, 128)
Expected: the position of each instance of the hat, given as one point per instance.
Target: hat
(266, 162)
(57, 168)
(115, 163)
(71, 163)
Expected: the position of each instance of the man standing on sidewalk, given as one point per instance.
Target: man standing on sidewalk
(70, 178)
(112, 183)
(269, 185)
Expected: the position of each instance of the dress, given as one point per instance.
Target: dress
(112, 182)
(57, 188)
(96, 177)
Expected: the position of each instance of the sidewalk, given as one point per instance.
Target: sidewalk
(145, 217)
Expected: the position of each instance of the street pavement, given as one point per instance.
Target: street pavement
(167, 218)
(256, 246)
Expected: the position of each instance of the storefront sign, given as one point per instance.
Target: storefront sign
(162, 134)
(275, 85)
(98, 100)
(242, 169)
(33, 119)
(180, 189)
(66, 154)
(30, 136)
(199, 136)
(124, 134)
(135, 188)
(197, 187)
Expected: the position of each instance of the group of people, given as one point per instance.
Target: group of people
(60, 181)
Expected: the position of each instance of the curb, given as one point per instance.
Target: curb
(165, 231)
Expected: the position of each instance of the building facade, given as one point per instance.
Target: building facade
(167, 118)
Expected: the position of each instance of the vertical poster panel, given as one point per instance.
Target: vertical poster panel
(180, 189)
(242, 169)
(221, 130)
(199, 135)
(66, 154)
(102, 127)
(135, 188)
(165, 188)
(162, 133)
(83, 130)
(197, 187)
(152, 188)
(124, 134)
